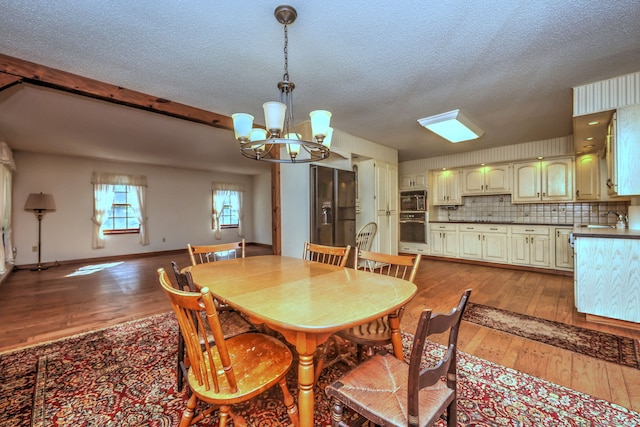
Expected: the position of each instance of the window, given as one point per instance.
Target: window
(226, 207)
(122, 218)
(119, 206)
(230, 209)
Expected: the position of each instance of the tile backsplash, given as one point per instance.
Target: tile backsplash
(500, 209)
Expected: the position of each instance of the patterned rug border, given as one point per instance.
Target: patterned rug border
(80, 334)
(625, 352)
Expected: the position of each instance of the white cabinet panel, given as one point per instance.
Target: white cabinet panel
(543, 181)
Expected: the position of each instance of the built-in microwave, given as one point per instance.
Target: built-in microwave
(413, 200)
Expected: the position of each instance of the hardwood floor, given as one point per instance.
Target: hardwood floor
(69, 299)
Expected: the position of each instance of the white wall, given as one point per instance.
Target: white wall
(179, 208)
(262, 209)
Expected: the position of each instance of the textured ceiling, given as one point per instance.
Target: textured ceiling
(377, 65)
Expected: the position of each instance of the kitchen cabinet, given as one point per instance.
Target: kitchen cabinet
(588, 177)
(607, 282)
(610, 158)
(445, 188)
(378, 193)
(483, 242)
(543, 181)
(386, 204)
(492, 179)
(625, 146)
(530, 245)
(444, 239)
(563, 249)
(415, 181)
(413, 248)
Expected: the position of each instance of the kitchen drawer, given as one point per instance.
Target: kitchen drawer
(484, 228)
(444, 227)
(529, 229)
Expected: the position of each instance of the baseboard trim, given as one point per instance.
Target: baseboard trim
(116, 257)
(499, 265)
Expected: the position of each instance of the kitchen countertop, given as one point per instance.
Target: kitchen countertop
(500, 223)
(606, 233)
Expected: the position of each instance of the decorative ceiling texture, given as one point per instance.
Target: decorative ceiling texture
(377, 65)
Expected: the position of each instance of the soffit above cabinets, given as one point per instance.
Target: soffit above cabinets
(582, 130)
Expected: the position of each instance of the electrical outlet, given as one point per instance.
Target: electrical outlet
(34, 249)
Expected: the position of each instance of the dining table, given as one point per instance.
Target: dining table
(306, 302)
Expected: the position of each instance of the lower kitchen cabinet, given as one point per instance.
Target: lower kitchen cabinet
(484, 242)
(530, 245)
(564, 251)
(413, 248)
(444, 239)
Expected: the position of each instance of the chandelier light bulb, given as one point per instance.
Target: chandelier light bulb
(320, 122)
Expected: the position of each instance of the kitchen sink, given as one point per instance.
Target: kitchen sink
(597, 226)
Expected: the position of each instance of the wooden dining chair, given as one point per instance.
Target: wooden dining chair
(235, 369)
(200, 254)
(334, 255)
(376, 333)
(232, 321)
(391, 392)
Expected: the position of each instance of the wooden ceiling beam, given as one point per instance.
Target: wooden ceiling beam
(8, 80)
(29, 72)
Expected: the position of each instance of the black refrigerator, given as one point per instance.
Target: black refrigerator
(333, 206)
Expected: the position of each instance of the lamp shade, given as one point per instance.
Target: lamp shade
(242, 124)
(40, 202)
(274, 116)
(320, 122)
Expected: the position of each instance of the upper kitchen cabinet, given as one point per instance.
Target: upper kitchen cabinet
(623, 151)
(588, 177)
(445, 188)
(414, 181)
(543, 181)
(493, 179)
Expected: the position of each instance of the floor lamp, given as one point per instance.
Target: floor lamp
(40, 204)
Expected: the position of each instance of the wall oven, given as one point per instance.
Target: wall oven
(413, 200)
(413, 227)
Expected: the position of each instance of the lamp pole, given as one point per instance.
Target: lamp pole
(39, 214)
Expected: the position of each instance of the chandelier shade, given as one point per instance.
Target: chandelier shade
(279, 141)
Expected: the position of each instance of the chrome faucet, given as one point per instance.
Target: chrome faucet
(622, 218)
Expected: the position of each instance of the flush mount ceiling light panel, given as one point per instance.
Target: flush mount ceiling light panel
(453, 126)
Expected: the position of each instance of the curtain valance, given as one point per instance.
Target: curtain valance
(118, 179)
(225, 186)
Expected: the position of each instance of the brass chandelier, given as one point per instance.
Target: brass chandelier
(280, 142)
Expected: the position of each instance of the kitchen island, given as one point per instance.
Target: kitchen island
(607, 275)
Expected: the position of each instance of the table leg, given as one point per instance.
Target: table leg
(396, 337)
(305, 389)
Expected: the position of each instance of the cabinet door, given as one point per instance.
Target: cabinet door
(497, 179)
(437, 243)
(453, 188)
(627, 146)
(470, 245)
(494, 247)
(610, 157)
(450, 245)
(588, 177)
(392, 188)
(382, 188)
(564, 251)
(472, 181)
(439, 190)
(420, 180)
(406, 182)
(557, 179)
(520, 249)
(539, 253)
(526, 182)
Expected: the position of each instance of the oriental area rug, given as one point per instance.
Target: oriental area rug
(600, 345)
(125, 376)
